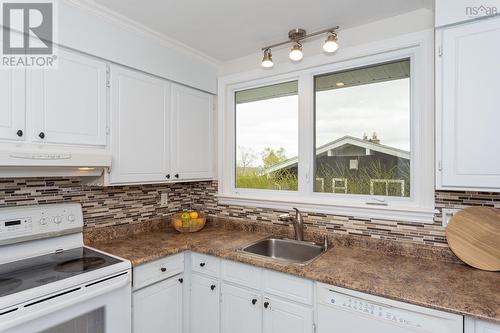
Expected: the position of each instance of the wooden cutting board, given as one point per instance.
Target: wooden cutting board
(473, 234)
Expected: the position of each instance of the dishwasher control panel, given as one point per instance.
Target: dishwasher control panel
(373, 309)
(344, 310)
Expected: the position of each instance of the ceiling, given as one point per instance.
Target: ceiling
(228, 29)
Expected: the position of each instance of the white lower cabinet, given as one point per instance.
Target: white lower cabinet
(231, 297)
(158, 307)
(480, 326)
(241, 310)
(257, 300)
(204, 304)
(286, 316)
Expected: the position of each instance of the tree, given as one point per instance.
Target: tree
(246, 157)
(271, 157)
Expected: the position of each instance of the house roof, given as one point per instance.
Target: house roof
(345, 140)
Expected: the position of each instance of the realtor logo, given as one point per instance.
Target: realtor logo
(27, 34)
(482, 10)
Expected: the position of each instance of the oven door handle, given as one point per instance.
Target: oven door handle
(48, 304)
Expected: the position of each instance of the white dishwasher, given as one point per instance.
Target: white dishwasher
(346, 311)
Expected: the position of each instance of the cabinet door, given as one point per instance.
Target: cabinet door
(68, 103)
(468, 129)
(192, 143)
(158, 308)
(12, 104)
(283, 316)
(139, 121)
(205, 314)
(487, 327)
(241, 310)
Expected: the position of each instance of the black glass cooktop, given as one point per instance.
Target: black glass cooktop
(34, 272)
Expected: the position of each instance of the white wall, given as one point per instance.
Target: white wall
(418, 20)
(92, 30)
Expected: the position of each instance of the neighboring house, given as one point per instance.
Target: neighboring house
(349, 157)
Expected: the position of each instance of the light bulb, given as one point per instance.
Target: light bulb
(296, 53)
(267, 60)
(331, 44)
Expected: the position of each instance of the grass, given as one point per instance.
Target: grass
(358, 182)
(256, 179)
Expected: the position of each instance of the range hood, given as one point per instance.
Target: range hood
(49, 161)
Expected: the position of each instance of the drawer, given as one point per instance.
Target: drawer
(289, 287)
(245, 275)
(152, 272)
(205, 264)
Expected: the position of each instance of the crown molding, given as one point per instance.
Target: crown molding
(131, 25)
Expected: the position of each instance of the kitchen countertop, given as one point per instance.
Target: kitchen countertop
(437, 284)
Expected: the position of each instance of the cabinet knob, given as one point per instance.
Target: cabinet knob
(254, 301)
(176, 175)
(212, 287)
(167, 176)
(41, 135)
(19, 133)
(202, 264)
(163, 269)
(181, 280)
(266, 304)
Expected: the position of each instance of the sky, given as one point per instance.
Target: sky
(383, 108)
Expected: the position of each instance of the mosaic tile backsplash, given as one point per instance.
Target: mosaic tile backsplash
(105, 206)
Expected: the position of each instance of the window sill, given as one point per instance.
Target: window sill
(393, 212)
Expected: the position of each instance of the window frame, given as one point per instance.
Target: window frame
(418, 208)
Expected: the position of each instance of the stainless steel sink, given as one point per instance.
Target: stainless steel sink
(292, 251)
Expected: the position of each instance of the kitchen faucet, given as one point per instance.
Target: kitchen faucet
(297, 221)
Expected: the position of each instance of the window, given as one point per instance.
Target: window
(267, 136)
(351, 138)
(362, 130)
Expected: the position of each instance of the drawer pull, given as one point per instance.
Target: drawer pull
(202, 264)
(266, 304)
(254, 301)
(163, 269)
(181, 280)
(212, 287)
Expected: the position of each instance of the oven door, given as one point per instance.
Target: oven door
(101, 306)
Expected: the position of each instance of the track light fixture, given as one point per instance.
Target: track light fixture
(295, 36)
(331, 44)
(267, 60)
(296, 52)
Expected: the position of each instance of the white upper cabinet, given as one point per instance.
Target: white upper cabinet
(68, 103)
(468, 106)
(192, 132)
(140, 140)
(12, 105)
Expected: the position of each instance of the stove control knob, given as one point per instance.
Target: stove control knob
(43, 221)
(71, 218)
(57, 220)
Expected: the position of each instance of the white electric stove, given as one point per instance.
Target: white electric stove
(50, 282)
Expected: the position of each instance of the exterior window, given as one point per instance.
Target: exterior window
(362, 130)
(266, 136)
(350, 138)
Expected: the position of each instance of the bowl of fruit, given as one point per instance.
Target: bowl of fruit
(189, 221)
